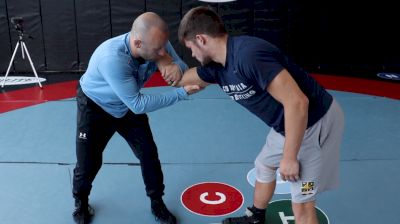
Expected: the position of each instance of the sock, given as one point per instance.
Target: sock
(258, 213)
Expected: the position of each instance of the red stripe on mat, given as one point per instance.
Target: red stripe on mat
(16, 99)
(34, 95)
(357, 85)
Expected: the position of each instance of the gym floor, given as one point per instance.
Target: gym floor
(207, 138)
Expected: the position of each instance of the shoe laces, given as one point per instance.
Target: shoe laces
(248, 218)
(248, 212)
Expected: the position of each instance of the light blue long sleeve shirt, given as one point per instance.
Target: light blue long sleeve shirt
(114, 78)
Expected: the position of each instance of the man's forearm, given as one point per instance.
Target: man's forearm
(190, 77)
(164, 61)
(296, 117)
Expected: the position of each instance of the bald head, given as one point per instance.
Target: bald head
(147, 21)
(149, 36)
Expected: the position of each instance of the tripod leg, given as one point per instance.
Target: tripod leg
(9, 66)
(22, 52)
(30, 61)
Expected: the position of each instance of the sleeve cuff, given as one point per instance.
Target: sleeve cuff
(182, 94)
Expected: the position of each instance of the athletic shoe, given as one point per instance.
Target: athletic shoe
(161, 213)
(249, 218)
(83, 213)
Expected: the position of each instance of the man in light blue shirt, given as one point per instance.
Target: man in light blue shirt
(109, 100)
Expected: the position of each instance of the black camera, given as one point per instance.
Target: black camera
(18, 21)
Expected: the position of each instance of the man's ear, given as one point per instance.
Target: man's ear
(137, 43)
(201, 39)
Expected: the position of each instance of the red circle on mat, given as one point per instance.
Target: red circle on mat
(212, 199)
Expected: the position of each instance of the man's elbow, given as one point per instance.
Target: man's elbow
(298, 103)
(303, 104)
(138, 108)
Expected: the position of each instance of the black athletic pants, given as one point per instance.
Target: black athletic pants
(95, 127)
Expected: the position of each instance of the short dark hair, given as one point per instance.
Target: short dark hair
(200, 20)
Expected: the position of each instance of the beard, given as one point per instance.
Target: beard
(150, 57)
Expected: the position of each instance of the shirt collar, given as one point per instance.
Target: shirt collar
(128, 49)
(229, 51)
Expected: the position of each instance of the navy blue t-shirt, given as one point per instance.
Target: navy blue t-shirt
(251, 64)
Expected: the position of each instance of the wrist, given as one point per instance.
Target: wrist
(289, 156)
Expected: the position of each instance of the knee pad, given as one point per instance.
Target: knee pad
(264, 173)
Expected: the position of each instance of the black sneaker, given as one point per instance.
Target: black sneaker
(161, 213)
(249, 218)
(83, 213)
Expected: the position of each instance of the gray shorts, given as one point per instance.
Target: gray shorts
(318, 156)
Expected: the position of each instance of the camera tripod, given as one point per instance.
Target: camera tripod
(21, 44)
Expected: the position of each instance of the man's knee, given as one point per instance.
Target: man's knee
(304, 212)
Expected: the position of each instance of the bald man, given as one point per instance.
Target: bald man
(109, 100)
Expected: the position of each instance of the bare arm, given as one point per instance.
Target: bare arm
(164, 61)
(171, 66)
(170, 71)
(190, 77)
(284, 89)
